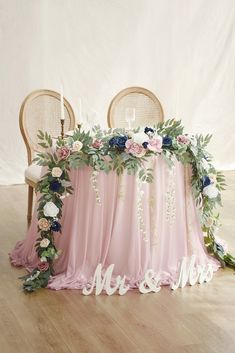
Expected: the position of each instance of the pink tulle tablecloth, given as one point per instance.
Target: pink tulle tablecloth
(136, 227)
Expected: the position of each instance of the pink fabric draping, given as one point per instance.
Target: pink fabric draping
(110, 233)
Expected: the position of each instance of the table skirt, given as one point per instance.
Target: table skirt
(137, 226)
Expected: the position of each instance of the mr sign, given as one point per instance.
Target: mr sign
(188, 273)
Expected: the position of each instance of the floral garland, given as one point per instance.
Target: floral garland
(119, 150)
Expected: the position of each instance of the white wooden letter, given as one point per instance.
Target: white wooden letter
(186, 273)
(149, 284)
(189, 273)
(99, 284)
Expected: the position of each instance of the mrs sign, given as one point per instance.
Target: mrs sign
(189, 273)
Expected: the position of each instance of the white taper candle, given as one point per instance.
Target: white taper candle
(61, 103)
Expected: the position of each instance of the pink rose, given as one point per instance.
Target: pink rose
(183, 139)
(134, 148)
(43, 224)
(43, 266)
(63, 152)
(97, 144)
(155, 144)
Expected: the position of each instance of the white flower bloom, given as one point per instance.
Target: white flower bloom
(56, 172)
(211, 191)
(205, 164)
(64, 196)
(65, 183)
(44, 243)
(94, 173)
(43, 259)
(140, 137)
(77, 146)
(50, 209)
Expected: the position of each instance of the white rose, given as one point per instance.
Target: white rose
(50, 209)
(44, 243)
(211, 191)
(140, 137)
(77, 146)
(56, 172)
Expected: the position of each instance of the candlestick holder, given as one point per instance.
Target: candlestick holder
(62, 128)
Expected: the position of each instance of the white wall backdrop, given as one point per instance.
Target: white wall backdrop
(182, 50)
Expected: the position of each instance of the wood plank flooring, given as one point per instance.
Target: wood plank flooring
(199, 319)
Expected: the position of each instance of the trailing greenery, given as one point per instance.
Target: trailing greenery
(121, 150)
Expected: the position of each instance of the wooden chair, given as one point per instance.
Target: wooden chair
(41, 111)
(147, 107)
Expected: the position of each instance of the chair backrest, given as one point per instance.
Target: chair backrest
(147, 107)
(41, 110)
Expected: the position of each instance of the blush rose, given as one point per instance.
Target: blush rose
(63, 152)
(135, 149)
(43, 266)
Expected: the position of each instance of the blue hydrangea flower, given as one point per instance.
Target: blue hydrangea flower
(55, 185)
(56, 226)
(206, 181)
(145, 144)
(118, 141)
(167, 141)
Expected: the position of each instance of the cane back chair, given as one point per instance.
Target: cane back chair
(148, 108)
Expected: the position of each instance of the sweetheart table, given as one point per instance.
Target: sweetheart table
(123, 205)
(135, 226)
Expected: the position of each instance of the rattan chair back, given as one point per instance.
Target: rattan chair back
(148, 108)
(41, 111)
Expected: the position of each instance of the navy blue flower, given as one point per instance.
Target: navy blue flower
(167, 141)
(55, 185)
(145, 144)
(56, 226)
(206, 181)
(148, 129)
(118, 141)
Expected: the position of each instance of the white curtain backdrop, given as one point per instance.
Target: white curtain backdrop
(182, 50)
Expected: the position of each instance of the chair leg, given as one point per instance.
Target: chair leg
(30, 204)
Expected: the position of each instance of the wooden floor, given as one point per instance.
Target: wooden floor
(199, 319)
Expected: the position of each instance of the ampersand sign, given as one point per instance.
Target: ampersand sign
(149, 284)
